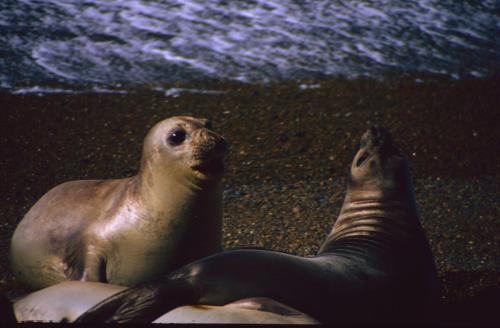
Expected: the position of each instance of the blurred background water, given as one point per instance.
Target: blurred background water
(106, 42)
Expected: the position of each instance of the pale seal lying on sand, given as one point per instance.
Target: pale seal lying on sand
(129, 230)
(375, 266)
(67, 300)
(62, 302)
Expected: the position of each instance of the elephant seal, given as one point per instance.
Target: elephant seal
(130, 230)
(375, 265)
(257, 310)
(62, 302)
(65, 301)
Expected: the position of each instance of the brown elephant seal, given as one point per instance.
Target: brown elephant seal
(375, 266)
(129, 230)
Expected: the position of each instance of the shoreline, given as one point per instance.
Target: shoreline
(290, 150)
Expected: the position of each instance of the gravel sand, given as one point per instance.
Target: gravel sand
(291, 145)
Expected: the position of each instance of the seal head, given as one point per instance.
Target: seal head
(185, 144)
(380, 201)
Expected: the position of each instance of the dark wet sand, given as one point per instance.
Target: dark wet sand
(288, 162)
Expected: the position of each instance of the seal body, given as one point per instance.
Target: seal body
(65, 301)
(375, 266)
(257, 310)
(62, 302)
(127, 231)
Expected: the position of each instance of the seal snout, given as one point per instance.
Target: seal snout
(375, 140)
(210, 145)
(209, 155)
(376, 137)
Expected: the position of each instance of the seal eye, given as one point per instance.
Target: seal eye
(176, 137)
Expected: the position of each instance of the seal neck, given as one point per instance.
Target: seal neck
(176, 194)
(176, 213)
(375, 216)
(159, 182)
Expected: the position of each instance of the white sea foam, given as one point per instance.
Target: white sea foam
(48, 90)
(41, 90)
(305, 86)
(98, 41)
(176, 92)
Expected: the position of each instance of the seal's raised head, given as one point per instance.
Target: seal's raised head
(188, 142)
(379, 166)
(380, 192)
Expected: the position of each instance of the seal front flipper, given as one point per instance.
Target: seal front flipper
(141, 304)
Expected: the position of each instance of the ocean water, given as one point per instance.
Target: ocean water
(102, 43)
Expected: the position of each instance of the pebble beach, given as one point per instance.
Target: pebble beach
(291, 145)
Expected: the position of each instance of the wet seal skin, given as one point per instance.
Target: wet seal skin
(65, 301)
(257, 310)
(128, 231)
(62, 302)
(374, 267)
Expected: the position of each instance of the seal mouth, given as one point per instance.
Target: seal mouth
(211, 168)
(210, 162)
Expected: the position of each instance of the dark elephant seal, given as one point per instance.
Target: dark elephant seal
(375, 266)
(129, 230)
